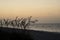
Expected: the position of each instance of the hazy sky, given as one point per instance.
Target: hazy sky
(44, 10)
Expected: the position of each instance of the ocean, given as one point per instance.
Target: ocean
(50, 27)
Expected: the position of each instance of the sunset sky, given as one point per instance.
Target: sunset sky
(47, 11)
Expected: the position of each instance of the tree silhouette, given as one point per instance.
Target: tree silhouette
(6, 22)
(1, 24)
(23, 23)
(28, 22)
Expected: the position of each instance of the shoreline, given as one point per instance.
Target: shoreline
(35, 35)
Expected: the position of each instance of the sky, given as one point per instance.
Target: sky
(46, 11)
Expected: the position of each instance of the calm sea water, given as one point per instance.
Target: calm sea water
(51, 27)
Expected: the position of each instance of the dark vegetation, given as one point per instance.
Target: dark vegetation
(9, 34)
(23, 23)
